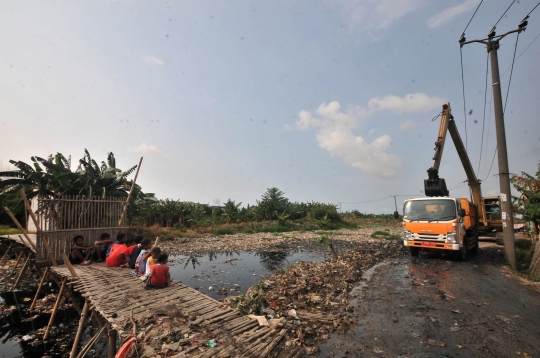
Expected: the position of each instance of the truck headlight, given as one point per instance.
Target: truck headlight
(451, 237)
(407, 235)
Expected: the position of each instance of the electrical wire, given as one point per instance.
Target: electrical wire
(533, 9)
(473, 16)
(536, 38)
(511, 71)
(484, 120)
(463, 88)
(505, 13)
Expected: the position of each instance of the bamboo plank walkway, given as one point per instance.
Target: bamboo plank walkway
(116, 292)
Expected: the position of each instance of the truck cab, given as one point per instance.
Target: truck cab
(440, 224)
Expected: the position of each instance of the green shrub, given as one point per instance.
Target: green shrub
(222, 231)
(179, 227)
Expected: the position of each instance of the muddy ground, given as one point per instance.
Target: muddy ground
(434, 306)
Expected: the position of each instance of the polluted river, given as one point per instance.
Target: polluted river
(374, 300)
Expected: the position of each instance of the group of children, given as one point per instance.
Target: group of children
(148, 262)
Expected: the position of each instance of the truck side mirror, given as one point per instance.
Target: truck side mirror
(462, 212)
(396, 215)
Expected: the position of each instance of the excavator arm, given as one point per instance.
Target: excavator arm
(435, 186)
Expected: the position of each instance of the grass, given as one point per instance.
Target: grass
(385, 234)
(7, 230)
(222, 231)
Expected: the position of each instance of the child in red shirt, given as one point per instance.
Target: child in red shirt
(119, 255)
(159, 274)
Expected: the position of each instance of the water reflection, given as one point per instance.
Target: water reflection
(272, 260)
(194, 261)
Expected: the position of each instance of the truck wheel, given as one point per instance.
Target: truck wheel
(474, 249)
(461, 254)
(414, 251)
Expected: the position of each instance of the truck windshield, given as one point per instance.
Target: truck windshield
(430, 210)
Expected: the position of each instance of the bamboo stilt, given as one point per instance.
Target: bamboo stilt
(41, 283)
(80, 330)
(16, 263)
(112, 343)
(72, 298)
(7, 251)
(26, 263)
(18, 226)
(69, 265)
(90, 343)
(55, 309)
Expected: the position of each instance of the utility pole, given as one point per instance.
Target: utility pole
(492, 44)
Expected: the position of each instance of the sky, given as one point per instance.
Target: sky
(329, 101)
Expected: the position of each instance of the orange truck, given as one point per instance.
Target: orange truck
(439, 222)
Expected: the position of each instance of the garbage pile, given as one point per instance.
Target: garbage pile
(311, 299)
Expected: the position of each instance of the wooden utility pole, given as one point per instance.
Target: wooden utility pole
(492, 44)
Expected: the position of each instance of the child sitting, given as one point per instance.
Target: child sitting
(159, 274)
(152, 259)
(102, 246)
(140, 265)
(79, 253)
(120, 254)
(135, 253)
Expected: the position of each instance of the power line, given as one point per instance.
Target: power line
(473, 16)
(536, 38)
(484, 120)
(533, 9)
(463, 88)
(511, 71)
(505, 13)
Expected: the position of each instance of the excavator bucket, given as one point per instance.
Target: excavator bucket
(435, 186)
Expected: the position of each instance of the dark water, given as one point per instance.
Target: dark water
(232, 273)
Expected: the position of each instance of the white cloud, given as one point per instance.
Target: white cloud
(371, 15)
(153, 60)
(371, 132)
(287, 128)
(411, 103)
(146, 149)
(450, 13)
(406, 125)
(335, 131)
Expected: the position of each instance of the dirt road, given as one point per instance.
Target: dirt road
(434, 306)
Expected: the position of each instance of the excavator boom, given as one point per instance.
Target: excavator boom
(435, 186)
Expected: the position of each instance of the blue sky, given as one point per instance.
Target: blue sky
(329, 101)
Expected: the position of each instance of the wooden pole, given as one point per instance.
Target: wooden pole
(31, 245)
(38, 227)
(82, 323)
(7, 251)
(90, 343)
(112, 343)
(16, 263)
(18, 225)
(130, 192)
(69, 265)
(55, 309)
(41, 283)
(156, 243)
(21, 273)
